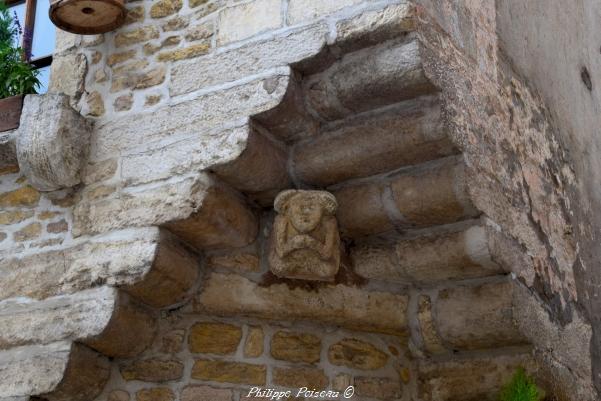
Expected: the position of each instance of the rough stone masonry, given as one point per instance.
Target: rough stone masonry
(154, 204)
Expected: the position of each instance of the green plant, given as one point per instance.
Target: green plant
(17, 77)
(521, 388)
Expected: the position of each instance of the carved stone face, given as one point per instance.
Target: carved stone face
(304, 213)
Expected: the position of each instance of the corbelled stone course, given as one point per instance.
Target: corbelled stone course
(335, 304)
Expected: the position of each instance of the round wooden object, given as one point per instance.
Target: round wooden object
(88, 17)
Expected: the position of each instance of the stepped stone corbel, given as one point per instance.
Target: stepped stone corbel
(52, 142)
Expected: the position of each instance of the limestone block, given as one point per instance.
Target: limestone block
(231, 295)
(260, 167)
(297, 378)
(8, 152)
(247, 60)
(357, 220)
(67, 76)
(244, 20)
(214, 338)
(22, 197)
(408, 134)
(183, 53)
(306, 10)
(187, 119)
(222, 220)
(376, 26)
(305, 243)
(378, 387)
(475, 378)
(475, 317)
(368, 79)
(430, 341)
(296, 347)
(229, 372)
(60, 371)
(239, 262)
(153, 370)
(205, 393)
(99, 317)
(53, 142)
(164, 8)
(253, 347)
(447, 256)
(138, 35)
(155, 394)
(434, 195)
(357, 354)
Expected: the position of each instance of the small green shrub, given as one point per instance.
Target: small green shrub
(521, 388)
(17, 77)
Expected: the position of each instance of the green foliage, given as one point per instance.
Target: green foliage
(521, 388)
(17, 77)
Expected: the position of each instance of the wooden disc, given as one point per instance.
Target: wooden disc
(87, 17)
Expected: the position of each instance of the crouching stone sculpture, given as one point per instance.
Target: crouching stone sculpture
(305, 243)
(52, 142)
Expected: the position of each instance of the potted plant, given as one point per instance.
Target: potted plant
(17, 76)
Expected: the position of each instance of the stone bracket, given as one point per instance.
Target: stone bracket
(52, 142)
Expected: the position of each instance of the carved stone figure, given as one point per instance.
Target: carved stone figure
(305, 243)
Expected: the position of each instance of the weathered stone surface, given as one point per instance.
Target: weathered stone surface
(185, 119)
(134, 14)
(118, 395)
(22, 197)
(244, 20)
(123, 103)
(153, 370)
(410, 133)
(259, 168)
(199, 32)
(59, 372)
(185, 52)
(368, 79)
(53, 142)
(240, 262)
(236, 63)
(296, 347)
(164, 8)
(300, 377)
(172, 342)
(380, 388)
(222, 220)
(176, 23)
(98, 317)
(431, 341)
(472, 317)
(117, 58)
(469, 379)
(95, 104)
(253, 346)
(336, 304)
(8, 152)
(214, 338)
(305, 243)
(27, 233)
(67, 75)
(357, 354)
(155, 394)
(57, 227)
(306, 10)
(205, 393)
(229, 372)
(142, 34)
(377, 26)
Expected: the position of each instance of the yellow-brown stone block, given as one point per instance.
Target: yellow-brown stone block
(229, 372)
(25, 196)
(295, 347)
(253, 347)
(300, 377)
(153, 370)
(241, 262)
(29, 232)
(184, 53)
(164, 8)
(378, 387)
(14, 217)
(134, 36)
(356, 354)
(214, 338)
(155, 394)
(120, 57)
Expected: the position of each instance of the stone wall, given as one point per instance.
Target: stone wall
(457, 238)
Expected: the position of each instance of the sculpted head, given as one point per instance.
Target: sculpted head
(305, 209)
